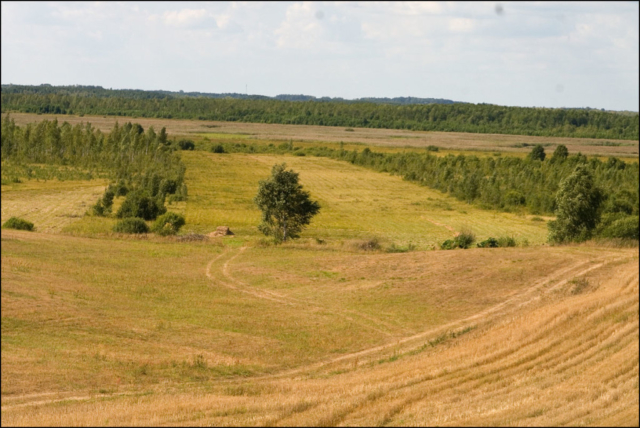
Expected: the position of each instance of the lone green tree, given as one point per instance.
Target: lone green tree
(577, 203)
(537, 153)
(286, 208)
(560, 153)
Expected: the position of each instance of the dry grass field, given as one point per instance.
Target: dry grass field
(391, 139)
(105, 329)
(140, 332)
(52, 205)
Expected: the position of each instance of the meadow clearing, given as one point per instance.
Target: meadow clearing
(106, 329)
(378, 139)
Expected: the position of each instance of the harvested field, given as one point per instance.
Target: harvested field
(53, 205)
(537, 348)
(396, 139)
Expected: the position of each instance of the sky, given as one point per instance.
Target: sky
(543, 54)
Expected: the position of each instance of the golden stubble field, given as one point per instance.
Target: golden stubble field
(389, 139)
(102, 329)
(53, 205)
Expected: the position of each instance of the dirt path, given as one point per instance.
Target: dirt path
(530, 295)
(227, 280)
(449, 228)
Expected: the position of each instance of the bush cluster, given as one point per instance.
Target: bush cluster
(504, 241)
(620, 226)
(18, 223)
(168, 224)
(186, 144)
(131, 225)
(368, 244)
(463, 240)
(139, 204)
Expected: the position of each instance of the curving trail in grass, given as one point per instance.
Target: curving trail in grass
(530, 295)
(551, 355)
(449, 228)
(230, 282)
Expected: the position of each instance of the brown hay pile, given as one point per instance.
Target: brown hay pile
(221, 231)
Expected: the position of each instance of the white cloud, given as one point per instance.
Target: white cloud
(189, 18)
(458, 50)
(461, 25)
(300, 28)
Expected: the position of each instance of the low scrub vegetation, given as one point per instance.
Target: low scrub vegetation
(619, 226)
(218, 148)
(488, 243)
(372, 244)
(140, 204)
(168, 224)
(131, 225)
(185, 144)
(18, 223)
(393, 248)
(463, 240)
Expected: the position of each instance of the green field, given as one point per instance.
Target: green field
(356, 203)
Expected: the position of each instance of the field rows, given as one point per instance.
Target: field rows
(569, 357)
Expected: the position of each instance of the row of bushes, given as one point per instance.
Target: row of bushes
(506, 183)
(167, 224)
(466, 238)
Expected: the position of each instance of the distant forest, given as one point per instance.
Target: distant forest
(100, 92)
(451, 117)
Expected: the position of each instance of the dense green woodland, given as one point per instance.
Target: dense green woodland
(458, 117)
(100, 92)
(135, 159)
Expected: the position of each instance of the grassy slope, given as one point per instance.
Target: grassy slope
(94, 317)
(153, 316)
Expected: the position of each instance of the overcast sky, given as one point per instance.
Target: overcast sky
(574, 54)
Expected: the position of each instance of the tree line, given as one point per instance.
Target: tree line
(457, 117)
(145, 164)
(99, 91)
